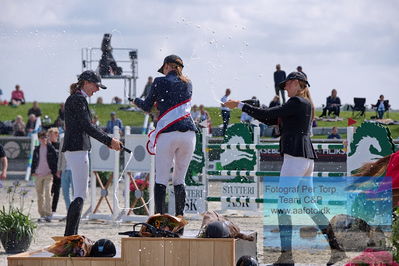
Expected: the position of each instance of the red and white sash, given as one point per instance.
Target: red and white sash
(170, 117)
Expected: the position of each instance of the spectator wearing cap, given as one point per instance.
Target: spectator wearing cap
(17, 96)
(35, 109)
(112, 123)
(296, 147)
(333, 104)
(279, 76)
(173, 140)
(299, 69)
(76, 146)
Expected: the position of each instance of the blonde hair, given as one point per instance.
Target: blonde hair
(53, 130)
(76, 87)
(179, 71)
(304, 92)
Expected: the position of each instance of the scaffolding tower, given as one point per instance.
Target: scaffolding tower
(125, 58)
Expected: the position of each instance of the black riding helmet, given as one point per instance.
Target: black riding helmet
(294, 75)
(217, 229)
(103, 248)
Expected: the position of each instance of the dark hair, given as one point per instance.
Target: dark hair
(76, 87)
(42, 134)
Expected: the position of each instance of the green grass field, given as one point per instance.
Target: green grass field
(136, 118)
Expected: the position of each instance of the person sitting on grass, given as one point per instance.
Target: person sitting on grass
(17, 96)
(35, 109)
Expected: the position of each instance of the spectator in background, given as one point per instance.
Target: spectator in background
(333, 104)
(299, 69)
(246, 118)
(275, 102)
(17, 96)
(95, 120)
(113, 122)
(4, 163)
(225, 110)
(35, 109)
(116, 100)
(279, 76)
(61, 112)
(334, 134)
(44, 167)
(31, 124)
(146, 88)
(64, 171)
(18, 126)
(204, 118)
(195, 114)
(100, 100)
(53, 134)
(381, 106)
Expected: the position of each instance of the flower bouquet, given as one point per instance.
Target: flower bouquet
(164, 222)
(373, 257)
(71, 246)
(139, 194)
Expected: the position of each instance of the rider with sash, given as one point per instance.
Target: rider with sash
(173, 140)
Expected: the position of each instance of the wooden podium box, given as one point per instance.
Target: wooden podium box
(152, 252)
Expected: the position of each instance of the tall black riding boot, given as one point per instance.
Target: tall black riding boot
(73, 217)
(180, 202)
(285, 226)
(180, 199)
(337, 252)
(159, 198)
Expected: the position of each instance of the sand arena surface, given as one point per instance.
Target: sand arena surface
(96, 229)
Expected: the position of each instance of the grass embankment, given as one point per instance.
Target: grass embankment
(136, 118)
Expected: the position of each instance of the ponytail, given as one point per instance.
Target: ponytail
(304, 92)
(75, 87)
(179, 71)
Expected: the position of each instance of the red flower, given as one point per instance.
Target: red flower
(141, 184)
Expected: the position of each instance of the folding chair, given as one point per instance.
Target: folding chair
(386, 103)
(359, 107)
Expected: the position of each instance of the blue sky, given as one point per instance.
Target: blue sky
(345, 44)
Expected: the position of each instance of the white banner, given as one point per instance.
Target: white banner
(239, 190)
